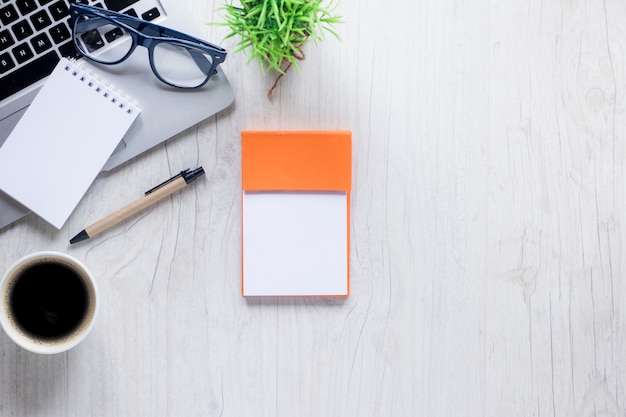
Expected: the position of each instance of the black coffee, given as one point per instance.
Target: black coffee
(49, 301)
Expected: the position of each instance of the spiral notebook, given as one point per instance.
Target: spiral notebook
(63, 141)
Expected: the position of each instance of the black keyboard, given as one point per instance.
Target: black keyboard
(35, 34)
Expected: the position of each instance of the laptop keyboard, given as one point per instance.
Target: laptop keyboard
(35, 34)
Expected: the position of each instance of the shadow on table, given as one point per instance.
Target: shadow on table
(328, 302)
(31, 384)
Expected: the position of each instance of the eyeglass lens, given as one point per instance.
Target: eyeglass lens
(104, 41)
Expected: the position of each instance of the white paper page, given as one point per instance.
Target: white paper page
(62, 142)
(295, 243)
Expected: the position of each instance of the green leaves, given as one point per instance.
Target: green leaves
(273, 31)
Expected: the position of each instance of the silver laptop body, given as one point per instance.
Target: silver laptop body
(165, 111)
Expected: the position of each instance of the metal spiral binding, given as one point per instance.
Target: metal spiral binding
(124, 102)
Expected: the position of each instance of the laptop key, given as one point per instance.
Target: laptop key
(151, 14)
(118, 5)
(113, 34)
(40, 20)
(22, 30)
(59, 10)
(29, 74)
(6, 39)
(60, 33)
(41, 43)
(6, 63)
(8, 14)
(26, 6)
(69, 51)
(22, 53)
(92, 40)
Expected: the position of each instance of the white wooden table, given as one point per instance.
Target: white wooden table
(489, 141)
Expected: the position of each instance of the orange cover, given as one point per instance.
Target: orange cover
(299, 161)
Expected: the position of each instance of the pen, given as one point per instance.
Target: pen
(151, 196)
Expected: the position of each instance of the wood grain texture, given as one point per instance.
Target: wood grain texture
(487, 242)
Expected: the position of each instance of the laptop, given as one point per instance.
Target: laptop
(35, 33)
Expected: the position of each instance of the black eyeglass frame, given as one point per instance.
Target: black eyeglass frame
(148, 35)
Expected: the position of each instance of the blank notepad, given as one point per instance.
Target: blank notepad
(296, 213)
(63, 141)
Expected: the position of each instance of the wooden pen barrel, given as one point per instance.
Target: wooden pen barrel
(135, 207)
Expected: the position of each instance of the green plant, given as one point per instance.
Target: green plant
(274, 31)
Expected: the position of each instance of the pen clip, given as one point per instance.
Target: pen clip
(180, 174)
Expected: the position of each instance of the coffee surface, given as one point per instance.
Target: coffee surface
(49, 301)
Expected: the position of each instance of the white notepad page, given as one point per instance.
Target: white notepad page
(295, 243)
(63, 141)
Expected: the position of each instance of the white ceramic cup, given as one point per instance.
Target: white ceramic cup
(49, 302)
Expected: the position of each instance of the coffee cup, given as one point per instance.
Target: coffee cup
(49, 302)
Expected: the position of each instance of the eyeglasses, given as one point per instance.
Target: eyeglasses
(177, 59)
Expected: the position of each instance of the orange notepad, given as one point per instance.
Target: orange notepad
(296, 213)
